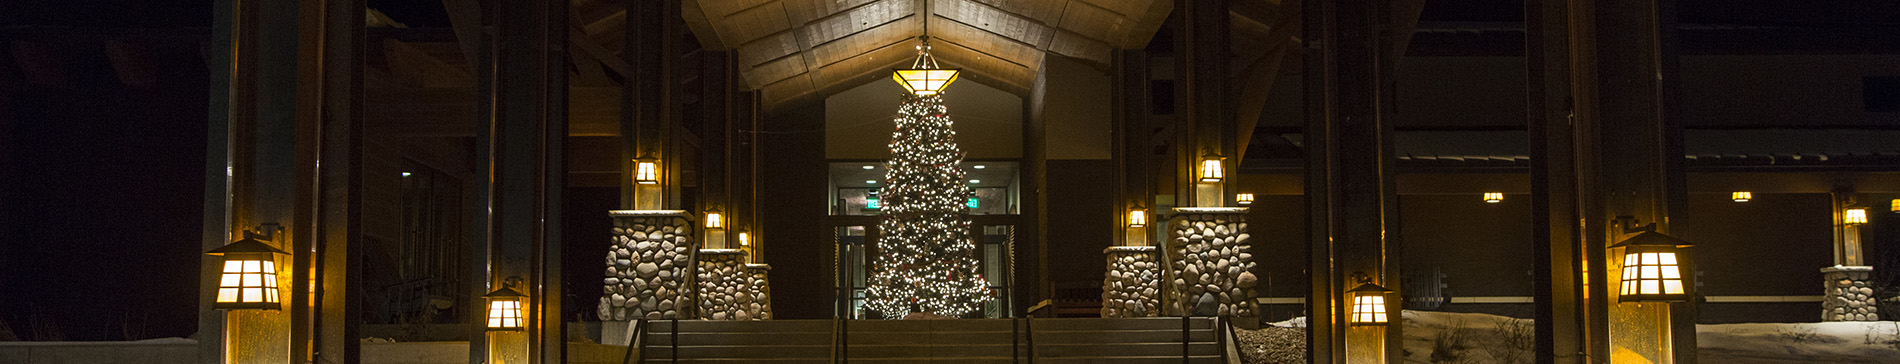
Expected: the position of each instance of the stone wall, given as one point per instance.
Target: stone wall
(1850, 294)
(761, 291)
(1213, 259)
(646, 264)
(725, 287)
(1133, 285)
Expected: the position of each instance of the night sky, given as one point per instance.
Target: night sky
(103, 183)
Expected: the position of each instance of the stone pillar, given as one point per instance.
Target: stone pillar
(1850, 294)
(723, 286)
(646, 264)
(760, 307)
(1213, 261)
(1133, 285)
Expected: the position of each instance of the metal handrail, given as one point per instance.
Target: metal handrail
(637, 347)
(1029, 325)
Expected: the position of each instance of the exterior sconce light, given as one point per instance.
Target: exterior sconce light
(1854, 215)
(1652, 267)
(1741, 196)
(1211, 168)
(714, 220)
(1368, 303)
(1243, 198)
(1896, 206)
(646, 170)
(249, 279)
(924, 77)
(745, 240)
(1137, 218)
(504, 307)
(1493, 197)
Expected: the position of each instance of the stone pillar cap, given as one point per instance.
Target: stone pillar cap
(646, 213)
(1848, 268)
(1211, 210)
(722, 251)
(1138, 249)
(759, 266)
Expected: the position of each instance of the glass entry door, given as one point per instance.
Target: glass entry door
(856, 245)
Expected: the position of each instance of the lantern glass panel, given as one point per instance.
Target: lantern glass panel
(646, 173)
(1368, 308)
(504, 313)
(1137, 218)
(924, 82)
(715, 221)
(248, 281)
(1244, 198)
(1854, 216)
(1211, 170)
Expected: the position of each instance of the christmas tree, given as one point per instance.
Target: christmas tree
(926, 261)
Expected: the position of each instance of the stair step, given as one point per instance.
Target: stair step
(1124, 350)
(739, 351)
(742, 338)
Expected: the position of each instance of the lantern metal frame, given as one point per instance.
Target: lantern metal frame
(1136, 217)
(506, 304)
(249, 268)
(646, 170)
(1211, 169)
(1655, 266)
(1370, 304)
(1854, 215)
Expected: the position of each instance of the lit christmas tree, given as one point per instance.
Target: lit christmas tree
(926, 261)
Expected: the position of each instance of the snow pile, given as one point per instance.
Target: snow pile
(1824, 342)
(1447, 337)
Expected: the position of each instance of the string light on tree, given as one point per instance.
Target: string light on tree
(926, 260)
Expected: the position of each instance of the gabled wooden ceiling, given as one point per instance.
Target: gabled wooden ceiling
(795, 49)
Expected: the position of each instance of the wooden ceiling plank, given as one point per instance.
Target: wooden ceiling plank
(753, 24)
(992, 44)
(1091, 21)
(867, 44)
(1092, 51)
(995, 20)
(856, 20)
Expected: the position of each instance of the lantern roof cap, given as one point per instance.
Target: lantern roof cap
(1653, 238)
(1370, 288)
(249, 244)
(504, 292)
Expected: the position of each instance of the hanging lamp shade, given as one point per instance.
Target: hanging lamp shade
(1368, 305)
(504, 309)
(1653, 269)
(249, 278)
(924, 77)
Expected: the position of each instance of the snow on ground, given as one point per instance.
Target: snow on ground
(1447, 337)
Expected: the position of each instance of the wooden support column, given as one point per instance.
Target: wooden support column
(649, 111)
(286, 105)
(526, 166)
(1562, 314)
(745, 169)
(1133, 150)
(330, 139)
(1208, 124)
(1351, 195)
(1639, 146)
(715, 147)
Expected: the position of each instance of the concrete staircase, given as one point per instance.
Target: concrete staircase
(1066, 340)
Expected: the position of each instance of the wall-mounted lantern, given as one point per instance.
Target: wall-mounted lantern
(1368, 303)
(1137, 218)
(745, 240)
(1211, 168)
(505, 306)
(1243, 198)
(249, 277)
(1854, 215)
(1493, 197)
(715, 220)
(1896, 206)
(1741, 196)
(1653, 267)
(646, 170)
